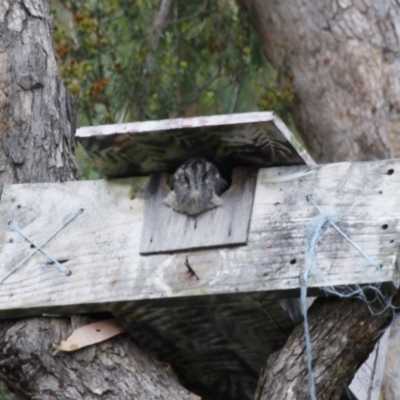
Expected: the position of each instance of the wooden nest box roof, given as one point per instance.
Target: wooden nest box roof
(258, 139)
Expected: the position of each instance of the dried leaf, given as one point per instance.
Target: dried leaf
(91, 334)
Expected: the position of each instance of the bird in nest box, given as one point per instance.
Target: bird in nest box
(197, 186)
(206, 206)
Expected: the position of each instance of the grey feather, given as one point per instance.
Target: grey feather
(197, 187)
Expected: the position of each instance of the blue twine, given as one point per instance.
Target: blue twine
(316, 227)
(14, 226)
(69, 218)
(332, 221)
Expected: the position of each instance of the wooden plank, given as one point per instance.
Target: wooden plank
(165, 230)
(102, 245)
(258, 139)
(216, 348)
(366, 384)
(390, 371)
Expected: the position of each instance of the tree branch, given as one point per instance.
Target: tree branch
(236, 91)
(337, 352)
(160, 22)
(190, 16)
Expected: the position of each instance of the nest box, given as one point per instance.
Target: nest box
(238, 144)
(202, 293)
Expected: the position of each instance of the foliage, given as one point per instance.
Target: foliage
(207, 61)
(206, 53)
(5, 394)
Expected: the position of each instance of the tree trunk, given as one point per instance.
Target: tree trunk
(116, 369)
(342, 60)
(37, 124)
(341, 333)
(37, 115)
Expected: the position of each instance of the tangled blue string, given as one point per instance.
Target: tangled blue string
(317, 225)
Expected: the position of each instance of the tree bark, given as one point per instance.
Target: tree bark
(118, 369)
(159, 24)
(37, 126)
(341, 332)
(342, 59)
(37, 114)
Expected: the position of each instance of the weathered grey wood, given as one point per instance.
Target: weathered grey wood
(390, 388)
(165, 230)
(256, 139)
(102, 245)
(366, 384)
(216, 348)
(293, 307)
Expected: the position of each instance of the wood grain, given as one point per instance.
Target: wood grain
(216, 348)
(102, 245)
(165, 230)
(255, 139)
(366, 383)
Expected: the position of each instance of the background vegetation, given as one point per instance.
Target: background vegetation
(125, 63)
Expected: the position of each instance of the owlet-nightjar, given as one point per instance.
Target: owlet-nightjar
(197, 187)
